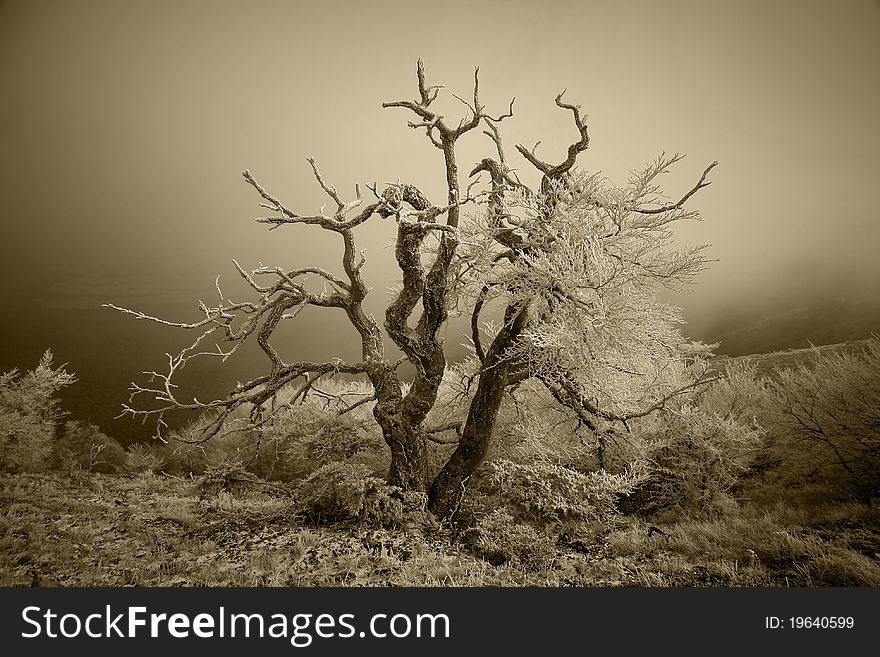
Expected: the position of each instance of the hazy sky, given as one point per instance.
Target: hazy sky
(125, 127)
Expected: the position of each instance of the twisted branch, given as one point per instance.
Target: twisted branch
(553, 172)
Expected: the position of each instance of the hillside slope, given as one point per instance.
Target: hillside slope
(768, 363)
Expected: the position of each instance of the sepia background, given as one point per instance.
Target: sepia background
(125, 127)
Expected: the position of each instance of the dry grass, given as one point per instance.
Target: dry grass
(156, 531)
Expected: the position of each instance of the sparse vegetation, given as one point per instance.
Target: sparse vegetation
(113, 530)
(540, 513)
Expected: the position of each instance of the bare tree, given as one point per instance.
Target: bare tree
(571, 266)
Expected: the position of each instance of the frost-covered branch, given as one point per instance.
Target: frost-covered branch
(588, 261)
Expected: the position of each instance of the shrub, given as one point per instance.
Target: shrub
(187, 454)
(29, 415)
(183, 459)
(827, 414)
(499, 539)
(306, 433)
(306, 437)
(83, 446)
(740, 395)
(546, 494)
(225, 477)
(552, 500)
(384, 505)
(181, 454)
(693, 458)
(140, 458)
(341, 491)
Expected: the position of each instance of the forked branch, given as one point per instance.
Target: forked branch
(338, 221)
(550, 171)
(701, 183)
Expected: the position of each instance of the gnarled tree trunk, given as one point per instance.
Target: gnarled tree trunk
(450, 484)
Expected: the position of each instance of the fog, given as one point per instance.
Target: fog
(125, 128)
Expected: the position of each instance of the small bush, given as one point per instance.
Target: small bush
(693, 459)
(306, 437)
(182, 459)
(306, 433)
(826, 418)
(188, 454)
(546, 494)
(84, 447)
(383, 505)
(225, 477)
(340, 491)
(140, 458)
(741, 394)
(29, 415)
(499, 539)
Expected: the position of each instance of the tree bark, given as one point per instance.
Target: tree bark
(450, 485)
(409, 457)
(408, 444)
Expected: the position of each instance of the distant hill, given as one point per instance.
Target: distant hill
(790, 324)
(766, 364)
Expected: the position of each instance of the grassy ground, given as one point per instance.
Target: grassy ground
(97, 530)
